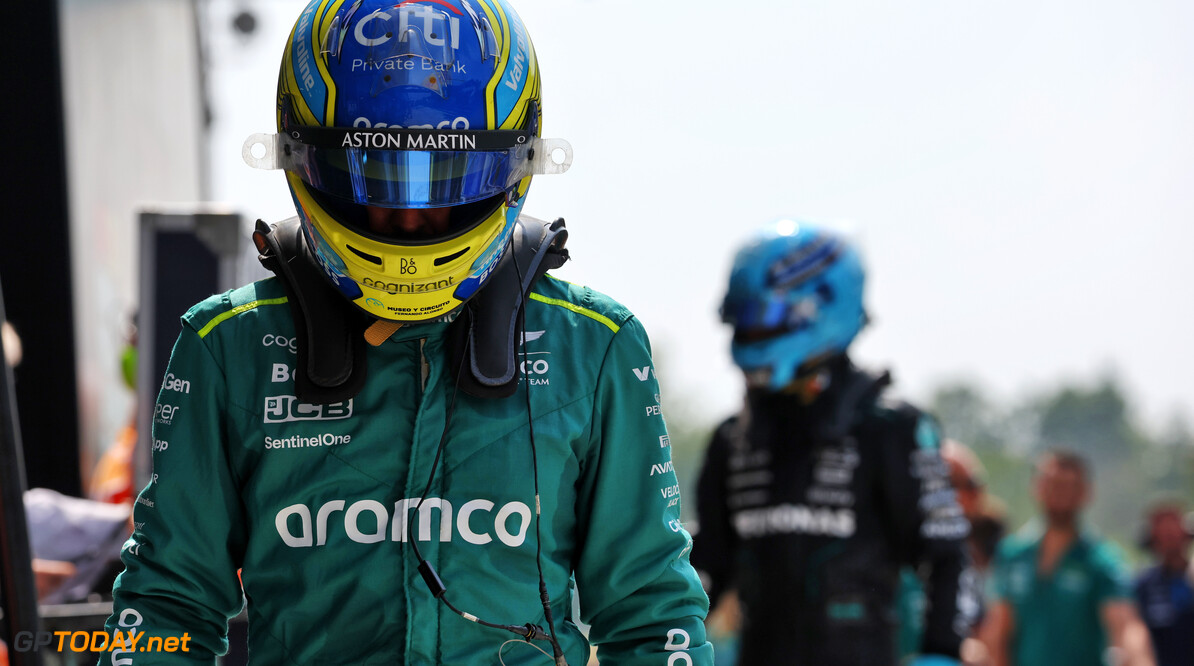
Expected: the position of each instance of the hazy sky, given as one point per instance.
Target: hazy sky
(1020, 175)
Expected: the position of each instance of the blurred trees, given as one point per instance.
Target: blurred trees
(1132, 466)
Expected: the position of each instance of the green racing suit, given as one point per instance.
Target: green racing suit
(311, 503)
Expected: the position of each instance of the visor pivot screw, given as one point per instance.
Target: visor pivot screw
(386, 78)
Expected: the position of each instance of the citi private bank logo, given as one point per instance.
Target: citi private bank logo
(288, 409)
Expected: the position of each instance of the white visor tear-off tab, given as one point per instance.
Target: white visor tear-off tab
(269, 145)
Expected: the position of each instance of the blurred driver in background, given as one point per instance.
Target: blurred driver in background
(823, 486)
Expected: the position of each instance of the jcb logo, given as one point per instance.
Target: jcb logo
(287, 409)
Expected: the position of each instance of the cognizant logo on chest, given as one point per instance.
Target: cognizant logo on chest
(370, 521)
(288, 409)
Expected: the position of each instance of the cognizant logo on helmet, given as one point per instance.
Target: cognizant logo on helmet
(370, 521)
(408, 287)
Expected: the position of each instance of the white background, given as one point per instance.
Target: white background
(1020, 174)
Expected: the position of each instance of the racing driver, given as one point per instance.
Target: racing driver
(814, 496)
(413, 445)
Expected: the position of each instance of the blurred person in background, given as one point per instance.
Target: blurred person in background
(74, 543)
(1059, 593)
(1164, 594)
(12, 344)
(986, 513)
(12, 357)
(823, 486)
(411, 436)
(112, 479)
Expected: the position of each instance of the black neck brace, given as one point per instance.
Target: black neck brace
(331, 346)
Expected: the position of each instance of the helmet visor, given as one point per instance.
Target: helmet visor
(403, 168)
(760, 319)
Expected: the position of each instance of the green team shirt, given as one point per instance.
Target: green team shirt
(312, 502)
(1056, 619)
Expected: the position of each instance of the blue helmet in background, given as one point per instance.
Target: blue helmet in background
(794, 299)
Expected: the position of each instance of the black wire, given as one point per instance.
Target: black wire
(438, 589)
(544, 597)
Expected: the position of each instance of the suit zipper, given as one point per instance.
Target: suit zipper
(424, 367)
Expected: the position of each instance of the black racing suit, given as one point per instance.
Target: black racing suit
(809, 511)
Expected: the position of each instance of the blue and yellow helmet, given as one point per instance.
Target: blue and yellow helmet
(794, 299)
(421, 104)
